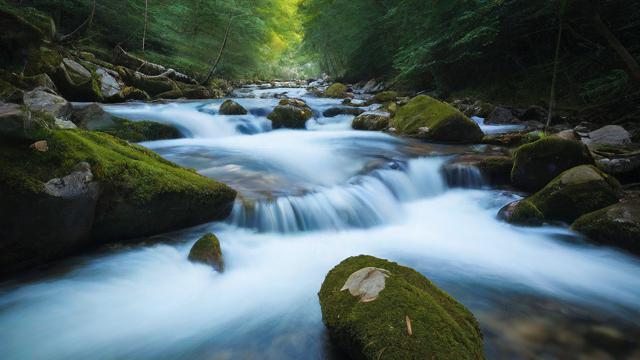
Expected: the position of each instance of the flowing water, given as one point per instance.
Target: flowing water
(308, 199)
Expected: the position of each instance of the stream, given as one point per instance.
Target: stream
(307, 200)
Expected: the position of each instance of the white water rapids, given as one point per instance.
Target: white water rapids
(307, 200)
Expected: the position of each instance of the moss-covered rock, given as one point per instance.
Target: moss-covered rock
(336, 90)
(521, 212)
(411, 318)
(17, 122)
(132, 93)
(290, 113)
(152, 85)
(434, 120)
(372, 120)
(617, 225)
(538, 163)
(137, 131)
(496, 169)
(577, 191)
(76, 82)
(142, 194)
(385, 97)
(207, 251)
(230, 107)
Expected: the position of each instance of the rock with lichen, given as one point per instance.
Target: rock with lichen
(207, 251)
(377, 309)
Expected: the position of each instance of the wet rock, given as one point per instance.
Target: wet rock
(336, 90)
(138, 131)
(152, 85)
(473, 108)
(109, 86)
(608, 135)
(567, 135)
(623, 163)
(430, 119)
(290, 113)
(617, 225)
(575, 192)
(492, 169)
(538, 163)
(230, 107)
(46, 101)
(501, 116)
(521, 212)
(372, 120)
(19, 123)
(335, 111)
(407, 318)
(92, 117)
(207, 251)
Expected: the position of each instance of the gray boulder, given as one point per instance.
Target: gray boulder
(608, 135)
(46, 101)
(372, 121)
(19, 123)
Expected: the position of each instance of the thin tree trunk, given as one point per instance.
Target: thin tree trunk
(552, 95)
(224, 44)
(87, 22)
(144, 31)
(625, 56)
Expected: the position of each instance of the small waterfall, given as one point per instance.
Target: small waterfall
(366, 201)
(463, 176)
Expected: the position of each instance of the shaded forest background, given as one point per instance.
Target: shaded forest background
(496, 50)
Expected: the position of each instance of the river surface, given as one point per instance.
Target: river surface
(307, 200)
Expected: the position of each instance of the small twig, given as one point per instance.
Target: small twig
(408, 322)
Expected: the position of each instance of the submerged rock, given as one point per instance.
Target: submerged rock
(207, 251)
(377, 309)
(142, 193)
(290, 113)
(430, 119)
(230, 107)
(617, 225)
(575, 192)
(336, 90)
(538, 163)
(372, 120)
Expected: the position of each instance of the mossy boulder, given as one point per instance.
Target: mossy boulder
(433, 120)
(207, 251)
(573, 193)
(617, 225)
(76, 82)
(372, 120)
(336, 90)
(521, 212)
(290, 113)
(230, 107)
(129, 93)
(142, 194)
(152, 85)
(385, 97)
(410, 318)
(137, 131)
(538, 163)
(18, 122)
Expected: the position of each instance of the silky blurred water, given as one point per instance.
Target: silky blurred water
(308, 199)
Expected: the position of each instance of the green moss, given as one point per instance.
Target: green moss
(575, 192)
(138, 131)
(385, 96)
(442, 328)
(444, 122)
(526, 213)
(207, 251)
(538, 163)
(496, 169)
(142, 193)
(336, 90)
(617, 225)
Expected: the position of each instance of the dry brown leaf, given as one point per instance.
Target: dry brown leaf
(366, 283)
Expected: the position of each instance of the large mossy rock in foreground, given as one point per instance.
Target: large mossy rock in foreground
(575, 192)
(207, 251)
(290, 113)
(433, 120)
(538, 163)
(141, 193)
(616, 225)
(410, 318)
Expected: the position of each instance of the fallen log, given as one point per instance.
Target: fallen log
(123, 58)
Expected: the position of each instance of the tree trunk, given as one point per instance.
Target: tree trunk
(144, 31)
(224, 44)
(616, 45)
